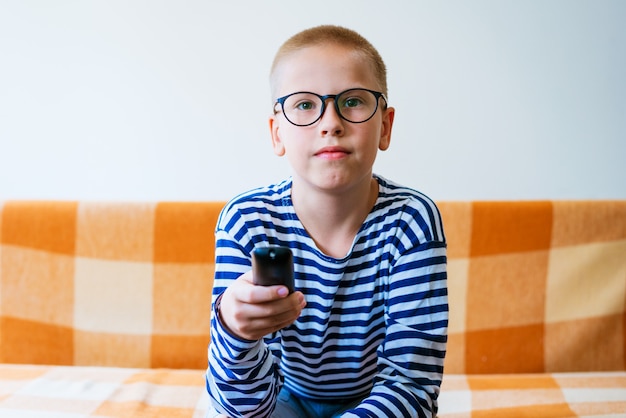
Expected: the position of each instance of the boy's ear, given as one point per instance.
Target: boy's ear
(277, 143)
(385, 129)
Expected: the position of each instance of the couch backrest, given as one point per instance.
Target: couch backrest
(534, 286)
(119, 284)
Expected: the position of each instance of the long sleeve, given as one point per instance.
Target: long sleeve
(242, 378)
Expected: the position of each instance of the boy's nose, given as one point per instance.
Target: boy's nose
(331, 121)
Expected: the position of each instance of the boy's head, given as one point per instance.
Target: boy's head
(330, 145)
(329, 34)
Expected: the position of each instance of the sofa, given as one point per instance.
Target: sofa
(104, 308)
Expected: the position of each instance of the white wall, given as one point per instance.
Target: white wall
(168, 100)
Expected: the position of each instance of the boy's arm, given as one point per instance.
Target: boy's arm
(410, 359)
(242, 378)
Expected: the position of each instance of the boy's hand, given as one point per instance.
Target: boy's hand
(251, 312)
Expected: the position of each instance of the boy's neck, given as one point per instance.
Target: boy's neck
(333, 219)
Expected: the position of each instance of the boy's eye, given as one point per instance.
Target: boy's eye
(352, 102)
(305, 105)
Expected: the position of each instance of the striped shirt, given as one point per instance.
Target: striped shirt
(375, 323)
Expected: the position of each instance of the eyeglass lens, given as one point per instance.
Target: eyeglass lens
(355, 106)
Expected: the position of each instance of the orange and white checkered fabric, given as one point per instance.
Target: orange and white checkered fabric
(555, 395)
(75, 392)
(537, 294)
(99, 392)
(536, 286)
(110, 284)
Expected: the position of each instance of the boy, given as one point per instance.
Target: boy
(365, 332)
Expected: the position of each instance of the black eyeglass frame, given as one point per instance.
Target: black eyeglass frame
(377, 95)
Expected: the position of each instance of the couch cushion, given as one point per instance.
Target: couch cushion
(74, 392)
(534, 395)
(80, 392)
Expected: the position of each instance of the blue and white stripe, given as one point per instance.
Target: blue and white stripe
(375, 323)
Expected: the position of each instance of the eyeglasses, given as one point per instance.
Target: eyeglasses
(305, 108)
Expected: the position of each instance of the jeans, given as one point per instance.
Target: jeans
(289, 405)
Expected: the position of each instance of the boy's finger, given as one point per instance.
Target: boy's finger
(263, 294)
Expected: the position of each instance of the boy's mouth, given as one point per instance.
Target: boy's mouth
(332, 153)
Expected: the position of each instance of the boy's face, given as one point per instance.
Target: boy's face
(332, 154)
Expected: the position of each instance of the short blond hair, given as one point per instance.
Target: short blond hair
(330, 34)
